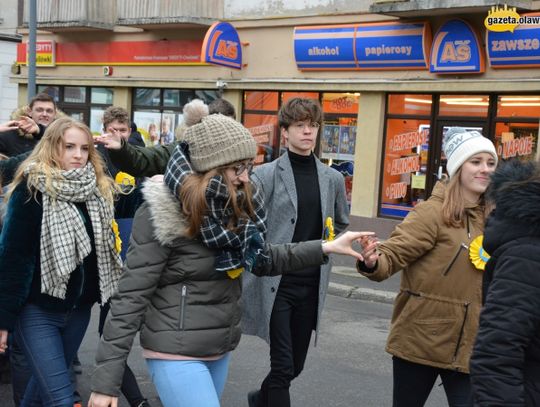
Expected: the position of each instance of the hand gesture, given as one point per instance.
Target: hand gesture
(111, 141)
(28, 126)
(369, 251)
(343, 244)
(3, 340)
(10, 125)
(102, 400)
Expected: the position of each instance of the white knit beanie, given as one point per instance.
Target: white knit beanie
(459, 145)
(217, 141)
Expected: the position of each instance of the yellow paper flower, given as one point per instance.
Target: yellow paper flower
(235, 273)
(117, 240)
(329, 229)
(477, 254)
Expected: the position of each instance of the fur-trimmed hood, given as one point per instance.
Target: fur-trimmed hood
(166, 215)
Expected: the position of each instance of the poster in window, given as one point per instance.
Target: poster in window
(330, 142)
(346, 142)
(148, 124)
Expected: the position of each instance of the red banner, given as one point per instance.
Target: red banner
(177, 52)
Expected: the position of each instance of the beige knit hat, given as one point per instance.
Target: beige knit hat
(217, 141)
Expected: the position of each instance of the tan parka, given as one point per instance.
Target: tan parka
(436, 312)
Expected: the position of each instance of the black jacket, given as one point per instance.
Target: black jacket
(12, 143)
(20, 270)
(505, 366)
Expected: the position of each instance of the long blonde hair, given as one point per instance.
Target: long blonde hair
(453, 208)
(46, 158)
(194, 205)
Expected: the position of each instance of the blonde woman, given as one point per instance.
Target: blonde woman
(436, 312)
(58, 256)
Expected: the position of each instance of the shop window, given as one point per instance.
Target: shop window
(74, 94)
(464, 105)
(52, 91)
(158, 112)
(289, 95)
(405, 166)
(147, 97)
(101, 96)
(260, 118)
(412, 104)
(516, 140)
(337, 140)
(85, 104)
(518, 106)
(265, 101)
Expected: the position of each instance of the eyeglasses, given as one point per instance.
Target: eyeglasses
(240, 168)
(301, 125)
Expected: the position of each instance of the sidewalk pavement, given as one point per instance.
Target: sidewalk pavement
(348, 283)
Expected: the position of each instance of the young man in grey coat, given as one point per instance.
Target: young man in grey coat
(300, 194)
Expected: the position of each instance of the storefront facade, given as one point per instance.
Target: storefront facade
(386, 105)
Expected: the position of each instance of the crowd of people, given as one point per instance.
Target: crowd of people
(172, 240)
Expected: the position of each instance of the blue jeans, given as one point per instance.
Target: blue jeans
(184, 383)
(49, 341)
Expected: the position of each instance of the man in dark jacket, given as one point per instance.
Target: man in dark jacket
(25, 132)
(505, 365)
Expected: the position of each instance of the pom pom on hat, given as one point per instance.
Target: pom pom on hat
(217, 141)
(459, 145)
(194, 111)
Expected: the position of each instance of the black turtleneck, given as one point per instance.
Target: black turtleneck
(308, 224)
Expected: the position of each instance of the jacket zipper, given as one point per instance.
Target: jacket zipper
(461, 331)
(183, 306)
(447, 269)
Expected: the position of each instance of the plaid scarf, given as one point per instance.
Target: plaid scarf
(64, 239)
(240, 249)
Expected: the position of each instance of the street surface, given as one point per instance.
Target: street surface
(349, 366)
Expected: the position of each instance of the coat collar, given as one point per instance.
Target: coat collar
(165, 212)
(286, 174)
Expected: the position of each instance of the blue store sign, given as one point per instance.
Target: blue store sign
(517, 49)
(456, 49)
(393, 45)
(222, 46)
(362, 46)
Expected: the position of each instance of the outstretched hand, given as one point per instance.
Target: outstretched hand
(10, 125)
(369, 250)
(3, 340)
(343, 244)
(111, 141)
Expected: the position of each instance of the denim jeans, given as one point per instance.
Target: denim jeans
(182, 383)
(413, 382)
(49, 341)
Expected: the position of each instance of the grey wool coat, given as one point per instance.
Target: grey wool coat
(277, 182)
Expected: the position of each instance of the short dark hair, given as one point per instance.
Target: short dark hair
(222, 106)
(42, 97)
(298, 110)
(113, 113)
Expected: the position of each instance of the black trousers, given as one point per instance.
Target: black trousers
(413, 382)
(293, 319)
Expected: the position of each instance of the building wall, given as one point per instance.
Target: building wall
(8, 55)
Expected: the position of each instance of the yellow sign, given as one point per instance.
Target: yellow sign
(500, 19)
(45, 53)
(418, 181)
